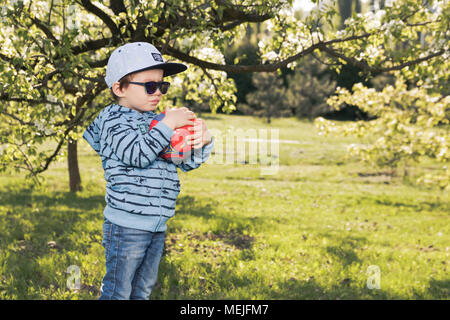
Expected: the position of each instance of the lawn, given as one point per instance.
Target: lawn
(310, 231)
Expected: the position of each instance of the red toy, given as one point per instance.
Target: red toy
(178, 148)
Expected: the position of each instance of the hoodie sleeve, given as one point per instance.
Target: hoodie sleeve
(198, 156)
(92, 135)
(115, 135)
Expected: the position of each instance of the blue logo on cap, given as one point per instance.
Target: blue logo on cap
(157, 57)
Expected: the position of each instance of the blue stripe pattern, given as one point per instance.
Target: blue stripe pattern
(141, 187)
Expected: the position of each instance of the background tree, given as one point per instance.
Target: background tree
(244, 51)
(54, 52)
(347, 7)
(269, 99)
(309, 88)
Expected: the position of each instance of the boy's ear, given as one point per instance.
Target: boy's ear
(116, 89)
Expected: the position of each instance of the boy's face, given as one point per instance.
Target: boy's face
(135, 96)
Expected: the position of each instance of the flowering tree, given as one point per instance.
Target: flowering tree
(54, 52)
(412, 115)
(410, 125)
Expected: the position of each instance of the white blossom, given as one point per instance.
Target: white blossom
(271, 55)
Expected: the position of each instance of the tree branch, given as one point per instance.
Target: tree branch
(411, 62)
(27, 161)
(90, 45)
(90, 95)
(117, 6)
(12, 116)
(87, 4)
(238, 68)
(360, 64)
(46, 30)
(50, 159)
(214, 84)
(363, 65)
(232, 12)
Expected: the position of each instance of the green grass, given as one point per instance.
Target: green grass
(308, 232)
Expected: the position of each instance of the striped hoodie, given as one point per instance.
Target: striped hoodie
(141, 187)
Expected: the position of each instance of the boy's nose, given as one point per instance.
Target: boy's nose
(158, 92)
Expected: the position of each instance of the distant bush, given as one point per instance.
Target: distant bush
(308, 89)
(269, 100)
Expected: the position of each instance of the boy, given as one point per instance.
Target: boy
(141, 187)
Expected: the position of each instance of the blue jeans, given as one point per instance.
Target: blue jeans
(132, 260)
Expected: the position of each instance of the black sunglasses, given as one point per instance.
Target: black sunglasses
(152, 86)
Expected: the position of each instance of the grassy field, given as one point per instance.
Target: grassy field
(310, 231)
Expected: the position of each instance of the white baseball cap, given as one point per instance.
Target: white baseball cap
(137, 56)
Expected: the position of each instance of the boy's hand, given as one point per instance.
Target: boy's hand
(201, 135)
(178, 117)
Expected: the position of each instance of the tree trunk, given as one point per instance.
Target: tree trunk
(345, 9)
(357, 6)
(74, 172)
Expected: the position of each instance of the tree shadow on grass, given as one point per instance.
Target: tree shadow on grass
(440, 289)
(437, 289)
(40, 227)
(419, 206)
(227, 283)
(236, 232)
(312, 290)
(344, 251)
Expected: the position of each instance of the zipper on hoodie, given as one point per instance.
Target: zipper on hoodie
(147, 118)
(160, 196)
